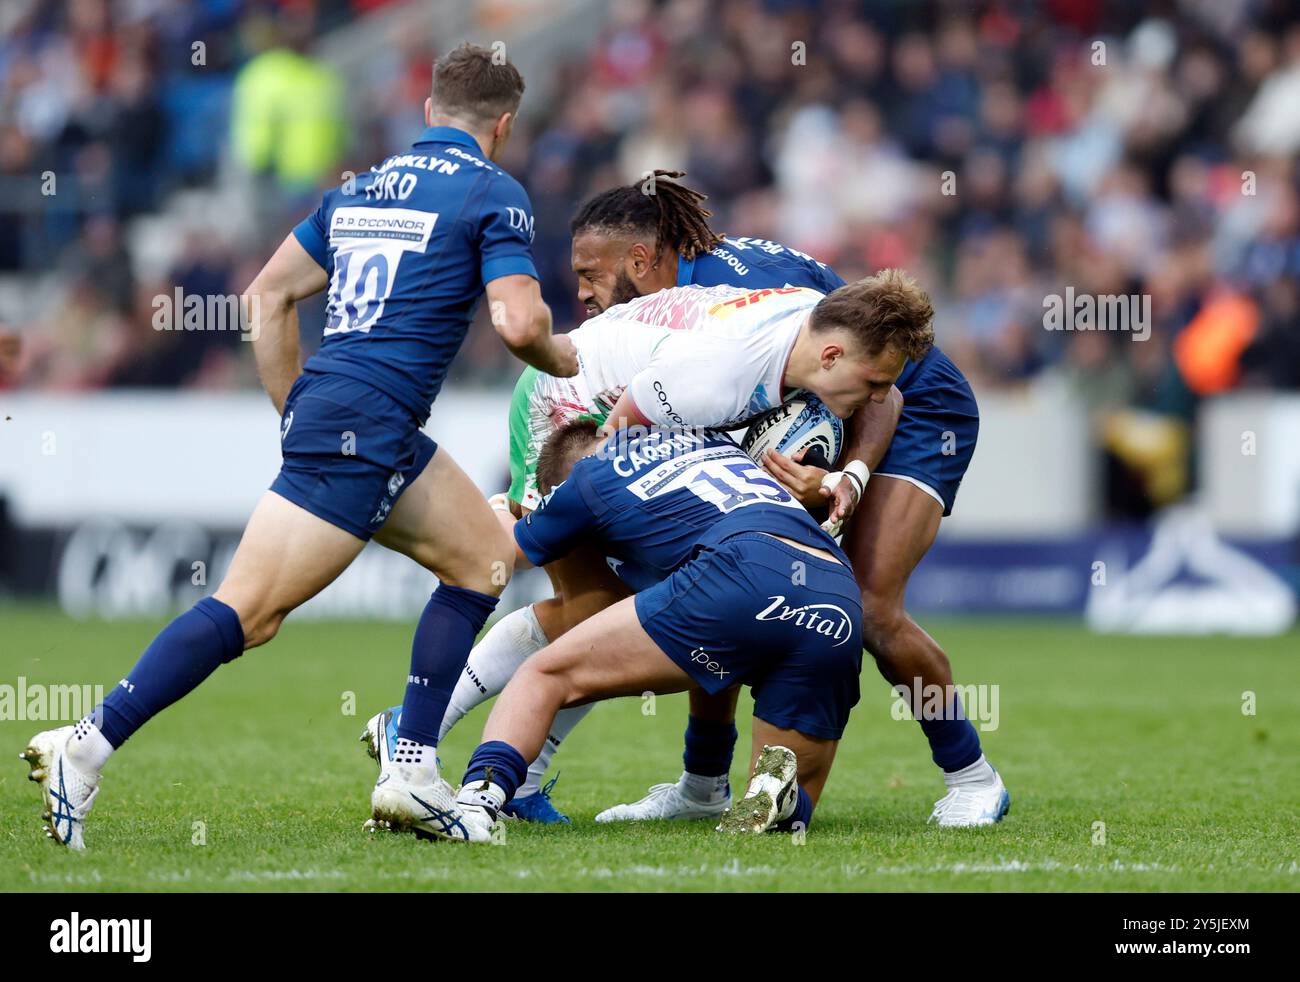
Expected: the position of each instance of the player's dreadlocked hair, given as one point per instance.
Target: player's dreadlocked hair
(672, 211)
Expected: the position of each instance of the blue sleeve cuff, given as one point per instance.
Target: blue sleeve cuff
(494, 269)
(309, 238)
(529, 545)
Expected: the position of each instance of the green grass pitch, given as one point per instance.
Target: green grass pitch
(257, 782)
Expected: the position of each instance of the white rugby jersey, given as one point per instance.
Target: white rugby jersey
(694, 356)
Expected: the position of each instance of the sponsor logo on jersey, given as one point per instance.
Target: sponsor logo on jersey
(753, 297)
(701, 657)
(520, 221)
(827, 620)
(731, 260)
(667, 406)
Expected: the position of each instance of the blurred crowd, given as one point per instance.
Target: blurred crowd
(1003, 151)
(109, 108)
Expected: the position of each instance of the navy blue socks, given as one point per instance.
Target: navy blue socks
(709, 747)
(954, 744)
(443, 638)
(801, 818)
(188, 650)
(507, 765)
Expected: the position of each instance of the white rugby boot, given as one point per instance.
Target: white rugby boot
(380, 735)
(970, 804)
(68, 793)
(771, 796)
(666, 802)
(414, 797)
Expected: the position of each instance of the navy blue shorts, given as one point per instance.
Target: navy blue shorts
(936, 433)
(756, 610)
(349, 451)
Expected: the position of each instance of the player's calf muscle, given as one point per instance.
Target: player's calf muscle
(524, 711)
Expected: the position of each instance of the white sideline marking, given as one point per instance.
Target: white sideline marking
(1014, 866)
(733, 868)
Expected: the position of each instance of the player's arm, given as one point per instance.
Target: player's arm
(519, 314)
(804, 481)
(624, 414)
(689, 382)
(271, 314)
(523, 321)
(561, 521)
(505, 509)
(868, 441)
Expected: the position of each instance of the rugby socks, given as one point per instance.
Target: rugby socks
(412, 752)
(492, 662)
(443, 638)
(979, 773)
(800, 816)
(707, 759)
(89, 749)
(565, 721)
(704, 788)
(494, 772)
(188, 650)
(954, 744)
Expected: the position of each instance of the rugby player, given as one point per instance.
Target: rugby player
(747, 589)
(628, 243)
(405, 257)
(657, 226)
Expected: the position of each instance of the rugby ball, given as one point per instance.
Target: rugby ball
(802, 423)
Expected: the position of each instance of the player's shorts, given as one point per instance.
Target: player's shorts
(540, 405)
(935, 438)
(349, 451)
(756, 610)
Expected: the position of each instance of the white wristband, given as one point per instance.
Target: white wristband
(854, 469)
(500, 502)
(859, 474)
(859, 471)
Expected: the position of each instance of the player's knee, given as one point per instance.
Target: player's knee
(491, 582)
(259, 621)
(260, 625)
(262, 629)
(555, 677)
